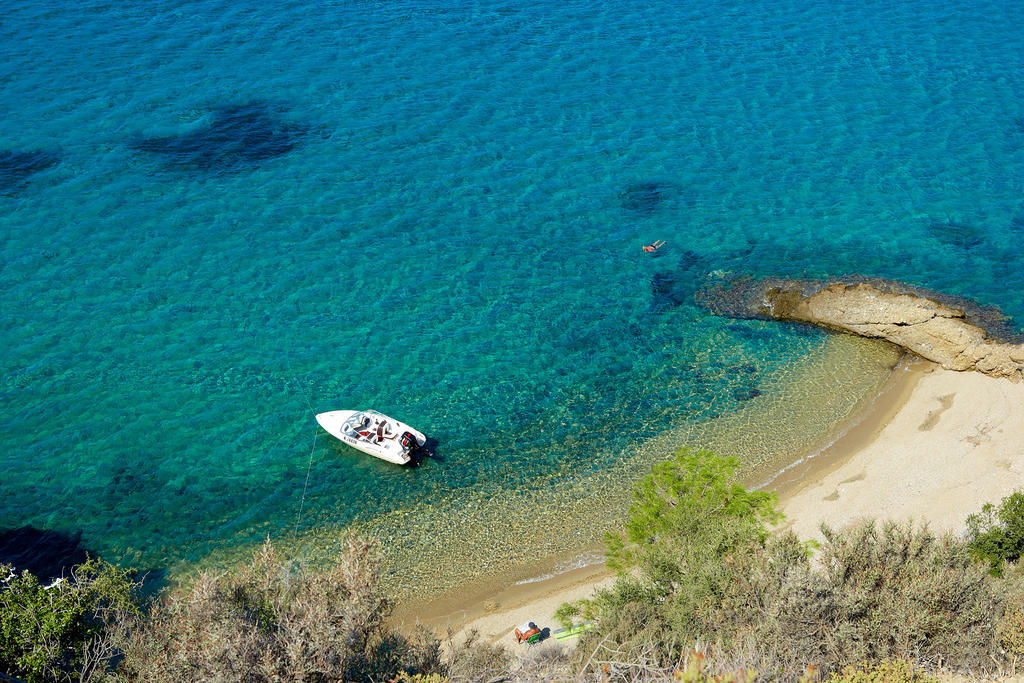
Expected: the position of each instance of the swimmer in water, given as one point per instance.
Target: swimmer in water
(654, 247)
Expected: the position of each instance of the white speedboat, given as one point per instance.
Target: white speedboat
(371, 432)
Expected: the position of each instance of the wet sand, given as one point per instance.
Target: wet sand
(934, 445)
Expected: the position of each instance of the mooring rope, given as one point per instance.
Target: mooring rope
(309, 467)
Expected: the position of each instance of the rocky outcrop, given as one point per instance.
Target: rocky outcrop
(925, 326)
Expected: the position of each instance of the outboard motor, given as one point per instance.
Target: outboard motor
(409, 441)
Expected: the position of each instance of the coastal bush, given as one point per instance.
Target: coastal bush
(62, 632)
(1011, 627)
(900, 591)
(472, 659)
(549, 662)
(693, 671)
(405, 677)
(275, 620)
(996, 534)
(874, 592)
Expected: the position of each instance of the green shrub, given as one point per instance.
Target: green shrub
(888, 671)
(673, 508)
(687, 525)
(996, 534)
(62, 632)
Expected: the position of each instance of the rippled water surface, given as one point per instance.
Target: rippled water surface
(217, 218)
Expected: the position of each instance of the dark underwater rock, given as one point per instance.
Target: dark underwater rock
(670, 289)
(45, 553)
(693, 262)
(677, 287)
(1017, 224)
(644, 199)
(746, 393)
(750, 333)
(238, 137)
(17, 167)
(959, 235)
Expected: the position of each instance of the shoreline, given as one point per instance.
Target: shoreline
(857, 433)
(962, 424)
(494, 604)
(494, 608)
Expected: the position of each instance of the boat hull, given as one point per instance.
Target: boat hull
(390, 451)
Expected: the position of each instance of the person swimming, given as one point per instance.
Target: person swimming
(658, 244)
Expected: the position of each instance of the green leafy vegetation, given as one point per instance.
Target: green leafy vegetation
(996, 534)
(689, 523)
(691, 505)
(62, 631)
(688, 519)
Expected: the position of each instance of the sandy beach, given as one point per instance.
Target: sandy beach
(956, 443)
(935, 445)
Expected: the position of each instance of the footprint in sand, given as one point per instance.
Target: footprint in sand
(834, 496)
(933, 416)
(980, 435)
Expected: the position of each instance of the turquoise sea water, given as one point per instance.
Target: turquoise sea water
(216, 217)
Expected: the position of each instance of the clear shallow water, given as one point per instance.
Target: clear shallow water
(218, 215)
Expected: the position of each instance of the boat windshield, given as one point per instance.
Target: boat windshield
(366, 424)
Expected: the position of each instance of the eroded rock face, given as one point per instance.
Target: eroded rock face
(931, 329)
